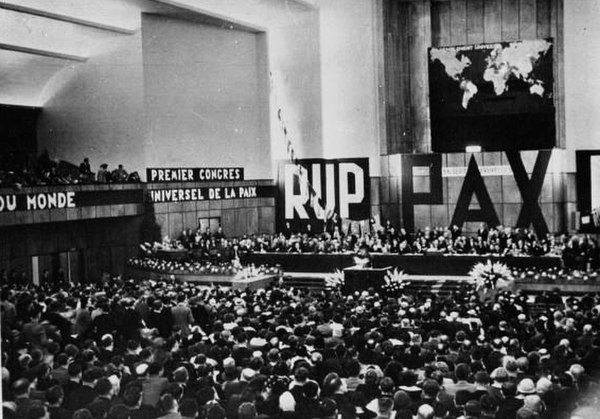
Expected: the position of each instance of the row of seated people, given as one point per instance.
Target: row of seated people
(46, 171)
(131, 349)
(577, 251)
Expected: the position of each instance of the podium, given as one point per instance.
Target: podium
(361, 279)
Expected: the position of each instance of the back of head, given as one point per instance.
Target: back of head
(509, 389)
(247, 410)
(215, 411)
(54, 394)
(472, 409)
(118, 411)
(526, 413)
(82, 414)
(167, 402)
(21, 387)
(132, 395)
(386, 404)
(425, 411)
(188, 408)
(103, 387)
(462, 372)
(74, 369)
(37, 411)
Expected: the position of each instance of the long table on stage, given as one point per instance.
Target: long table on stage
(410, 264)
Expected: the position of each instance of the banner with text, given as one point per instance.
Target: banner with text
(210, 194)
(315, 190)
(588, 189)
(193, 174)
(55, 200)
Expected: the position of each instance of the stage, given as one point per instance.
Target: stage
(454, 265)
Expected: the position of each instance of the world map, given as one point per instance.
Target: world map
(501, 63)
(498, 96)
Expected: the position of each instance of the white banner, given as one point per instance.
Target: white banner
(461, 171)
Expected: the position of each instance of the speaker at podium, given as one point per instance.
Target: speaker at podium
(360, 279)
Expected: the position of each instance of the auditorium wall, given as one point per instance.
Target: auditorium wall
(94, 246)
(582, 78)
(96, 109)
(351, 54)
(205, 96)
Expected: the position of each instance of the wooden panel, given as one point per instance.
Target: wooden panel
(440, 24)
(492, 24)
(266, 220)
(543, 12)
(252, 225)
(397, 76)
(527, 19)
(420, 31)
(510, 20)
(175, 225)
(475, 33)
(458, 22)
(556, 32)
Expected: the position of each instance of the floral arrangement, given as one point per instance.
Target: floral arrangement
(394, 282)
(202, 268)
(335, 280)
(491, 275)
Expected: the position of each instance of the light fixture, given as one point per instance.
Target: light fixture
(473, 149)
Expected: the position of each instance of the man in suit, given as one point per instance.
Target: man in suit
(100, 406)
(462, 374)
(55, 397)
(73, 386)
(85, 394)
(21, 391)
(160, 318)
(182, 316)
(154, 385)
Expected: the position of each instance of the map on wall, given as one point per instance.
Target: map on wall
(499, 96)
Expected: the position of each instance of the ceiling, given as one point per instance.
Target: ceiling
(39, 38)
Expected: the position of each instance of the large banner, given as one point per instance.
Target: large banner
(498, 193)
(315, 190)
(210, 194)
(54, 200)
(588, 189)
(193, 174)
(498, 96)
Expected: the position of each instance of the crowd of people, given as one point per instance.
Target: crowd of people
(145, 349)
(46, 171)
(578, 251)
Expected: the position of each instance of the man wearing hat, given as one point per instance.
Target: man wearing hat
(526, 387)
(510, 404)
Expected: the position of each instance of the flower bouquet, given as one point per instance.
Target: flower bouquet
(394, 282)
(489, 278)
(335, 281)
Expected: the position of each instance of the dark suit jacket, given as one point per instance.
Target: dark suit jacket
(80, 397)
(59, 413)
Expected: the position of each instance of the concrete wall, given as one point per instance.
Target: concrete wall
(96, 110)
(350, 35)
(582, 79)
(203, 89)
